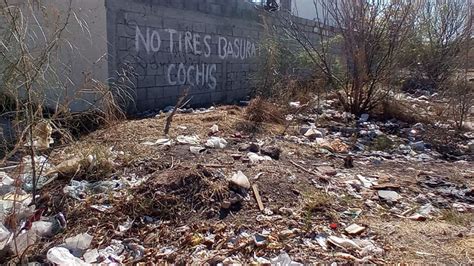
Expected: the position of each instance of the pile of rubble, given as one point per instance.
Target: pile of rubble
(208, 193)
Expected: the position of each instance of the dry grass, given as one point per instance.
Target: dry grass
(263, 111)
(382, 143)
(317, 201)
(402, 111)
(457, 218)
(421, 242)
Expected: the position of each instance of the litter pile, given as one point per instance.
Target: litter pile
(331, 188)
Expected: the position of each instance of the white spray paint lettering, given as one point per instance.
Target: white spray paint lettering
(197, 44)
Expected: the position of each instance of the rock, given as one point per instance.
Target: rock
(251, 147)
(313, 133)
(386, 186)
(240, 180)
(288, 233)
(418, 146)
(419, 126)
(348, 162)
(236, 156)
(388, 195)
(364, 118)
(214, 129)
(272, 151)
(471, 146)
(417, 217)
(327, 170)
(197, 149)
(305, 129)
(354, 229)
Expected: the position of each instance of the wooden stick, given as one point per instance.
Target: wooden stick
(309, 171)
(169, 119)
(257, 197)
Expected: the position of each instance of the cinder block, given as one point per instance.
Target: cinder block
(146, 82)
(155, 92)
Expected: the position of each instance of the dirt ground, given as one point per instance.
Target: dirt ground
(179, 206)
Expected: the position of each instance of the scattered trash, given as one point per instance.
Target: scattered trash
(42, 135)
(78, 244)
(257, 197)
(183, 196)
(70, 166)
(240, 180)
(191, 140)
(5, 236)
(43, 169)
(91, 256)
(389, 196)
(81, 189)
(354, 229)
(159, 142)
(364, 118)
(5, 180)
(343, 243)
(102, 208)
(322, 241)
(216, 143)
(255, 158)
(43, 228)
(197, 149)
(284, 259)
(367, 182)
(126, 225)
(62, 256)
(295, 104)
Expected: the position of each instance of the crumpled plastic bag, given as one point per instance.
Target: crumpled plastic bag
(62, 256)
(216, 143)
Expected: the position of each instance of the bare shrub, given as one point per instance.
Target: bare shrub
(357, 47)
(263, 111)
(276, 58)
(30, 74)
(434, 52)
(461, 100)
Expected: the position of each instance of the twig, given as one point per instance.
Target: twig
(309, 171)
(176, 107)
(302, 168)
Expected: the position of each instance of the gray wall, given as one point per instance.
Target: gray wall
(82, 55)
(208, 46)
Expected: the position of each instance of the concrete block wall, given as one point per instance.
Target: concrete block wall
(209, 47)
(206, 46)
